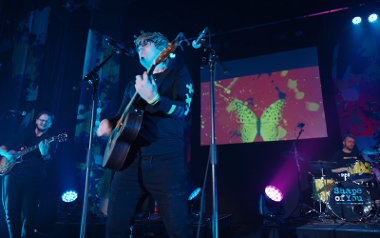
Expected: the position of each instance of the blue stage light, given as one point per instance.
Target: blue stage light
(194, 194)
(356, 20)
(69, 196)
(372, 17)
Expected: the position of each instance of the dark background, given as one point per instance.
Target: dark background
(242, 29)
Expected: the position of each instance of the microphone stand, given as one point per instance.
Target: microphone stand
(213, 58)
(92, 79)
(300, 202)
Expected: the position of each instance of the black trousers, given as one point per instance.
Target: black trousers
(162, 176)
(20, 194)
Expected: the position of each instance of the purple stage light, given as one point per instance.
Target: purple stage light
(273, 193)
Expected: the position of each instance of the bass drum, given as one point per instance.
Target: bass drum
(349, 201)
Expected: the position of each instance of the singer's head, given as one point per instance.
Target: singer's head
(44, 120)
(149, 45)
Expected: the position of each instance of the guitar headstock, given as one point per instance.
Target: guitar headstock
(61, 137)
(170, 48)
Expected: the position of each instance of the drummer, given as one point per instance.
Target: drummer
(347, 156)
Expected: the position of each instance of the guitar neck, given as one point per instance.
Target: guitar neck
(128, 107)
(151, 69)
(30, 149)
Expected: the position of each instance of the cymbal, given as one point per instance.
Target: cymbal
(372, 150)
(318, 164)
(300, 156)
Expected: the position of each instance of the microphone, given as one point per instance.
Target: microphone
(197, 43)
(370, 104)
(130, 52)
(300, 125)
(22, 113)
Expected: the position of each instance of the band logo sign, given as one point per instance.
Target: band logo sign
(348, 194)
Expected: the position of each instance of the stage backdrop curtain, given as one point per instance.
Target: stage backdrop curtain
(106, 101)
(356, 73)
(27, 57)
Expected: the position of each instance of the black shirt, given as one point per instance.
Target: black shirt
(162, 126)
(344, 159)
(33, 164)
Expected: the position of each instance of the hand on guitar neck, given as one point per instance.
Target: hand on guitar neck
(105, 128)
(146, 88)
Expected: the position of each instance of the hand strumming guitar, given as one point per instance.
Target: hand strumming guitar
(105, 128)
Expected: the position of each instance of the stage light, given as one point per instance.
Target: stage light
(194, 194)
(69, 207)
(372, 17)
(69, 196)
(271, 205)
(273, 193)
(172, 55)
(356, 20)
(194, 201)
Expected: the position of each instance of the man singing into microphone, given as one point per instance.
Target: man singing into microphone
(22, 184)
(159, 167)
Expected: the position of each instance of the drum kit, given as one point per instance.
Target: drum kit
(347, 200)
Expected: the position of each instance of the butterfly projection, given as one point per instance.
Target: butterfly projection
(264, 126)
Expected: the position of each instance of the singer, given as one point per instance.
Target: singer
(158, 169)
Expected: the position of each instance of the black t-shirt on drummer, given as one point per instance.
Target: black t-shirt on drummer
(344, 159)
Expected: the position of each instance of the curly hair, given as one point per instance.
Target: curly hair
(159, 40)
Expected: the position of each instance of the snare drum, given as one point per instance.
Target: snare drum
(349, 201)
(360, 172)
(319, 188)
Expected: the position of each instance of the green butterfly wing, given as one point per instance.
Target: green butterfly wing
(270, 120)
(245, 116)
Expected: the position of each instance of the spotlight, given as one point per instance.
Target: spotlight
(172, 55)
(69, 207)
(356, 20)
(271, 205)
(372, 17)
(273, 193)
(69, 196)
(194, 194)
(194, 202)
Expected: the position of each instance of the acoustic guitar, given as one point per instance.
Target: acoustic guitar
(6, 165)
(128, 126)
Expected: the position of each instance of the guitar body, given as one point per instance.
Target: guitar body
(117, 155)
(5, 166)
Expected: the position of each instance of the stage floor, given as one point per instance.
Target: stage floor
(96, 229)
(327, 228)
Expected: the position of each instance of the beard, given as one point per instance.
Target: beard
(349, 148)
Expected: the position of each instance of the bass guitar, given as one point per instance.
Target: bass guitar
(6, 165)
(128, 126)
